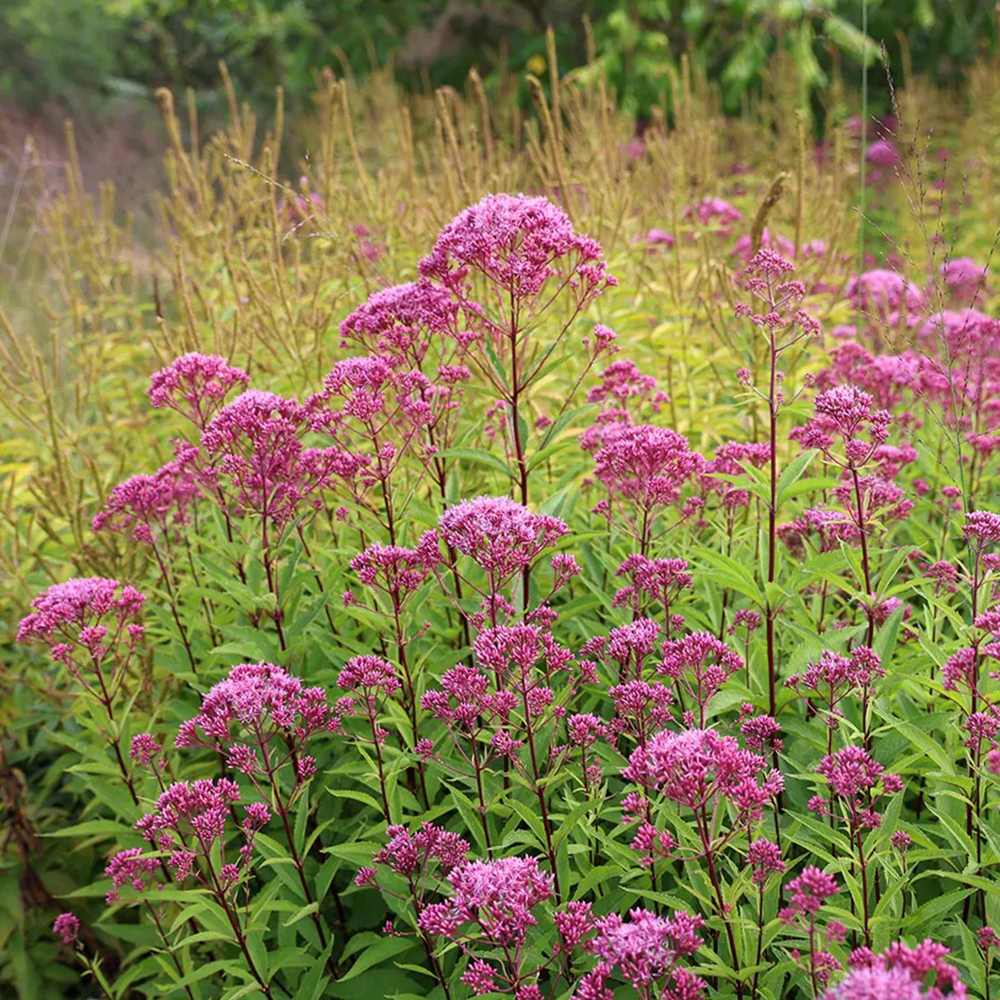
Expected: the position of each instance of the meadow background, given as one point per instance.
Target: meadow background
(237, 178)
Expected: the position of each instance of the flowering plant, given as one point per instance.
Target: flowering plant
(468, 662)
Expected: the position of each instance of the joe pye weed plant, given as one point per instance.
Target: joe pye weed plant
(475, 637)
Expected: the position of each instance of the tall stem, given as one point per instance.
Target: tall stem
(175, 613)
(772, 525)
(381, 767)
(480, 793)
(241, 941)
(863, 864)
(272, 578)
(282, 807)
(865, 565)
(760, 938)
(539, 791)
(772, 553)
(167, 946)
(515, 425)
(713, 877)
(428, 944)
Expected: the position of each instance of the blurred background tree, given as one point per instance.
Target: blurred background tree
(80, 52)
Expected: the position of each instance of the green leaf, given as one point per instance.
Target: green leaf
(478, 457)
(375, 954)
(304, 911)
(792, 474)
(846, 37)
(93, 827)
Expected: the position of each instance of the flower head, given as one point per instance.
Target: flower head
(901, 973)
(414, 853)
(195, 385)
(646, 949)
(146, 507)
(517, 243)
(370, 673)
(764, 858)
(644, 469)
(701, 663)
(500, 535)
(144, 749)
(258, 701)
(882, 292)
(695, 766)
(659, 581)
(500, 896)
(396, 570)
(130, 867)
(86, 621)
(256, 457)
(66, 927)
(808, 892)
(401, 322)
(201, 807)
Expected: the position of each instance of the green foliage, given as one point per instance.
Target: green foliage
(75, 49)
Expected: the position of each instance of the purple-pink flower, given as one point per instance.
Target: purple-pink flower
(519, 244)
(66, 927)
(403, 322)
(694, 767)
(146, 507)
(499, 897)
(258, 702)
(646, 949)
(85, 622)
(901, 973)
(501, 536)
(195, 385)
(130, 867)
(255, 454)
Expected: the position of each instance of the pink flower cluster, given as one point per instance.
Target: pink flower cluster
(764, 858)
(189, 824)
(501, 536)
(414, 855)
(889, 378)
(833, 676)
(256, 456)
(900, 973)
(622, 385)
(402, 323)
(807, 893)
(499, 897)
(641, 708)
(396, 570)
(66, 927)
(646, 468)
(696, 767)
(845, 412)
(147, 507)
(645, 950)
(195, 385)
(699, 665)
(658, 581)
(884, 294)
(130, 867)
(714, 210)
(465, 702)
(853, 776)
(518, 244)
(257, 704)
(92, 618)
(729, 460)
